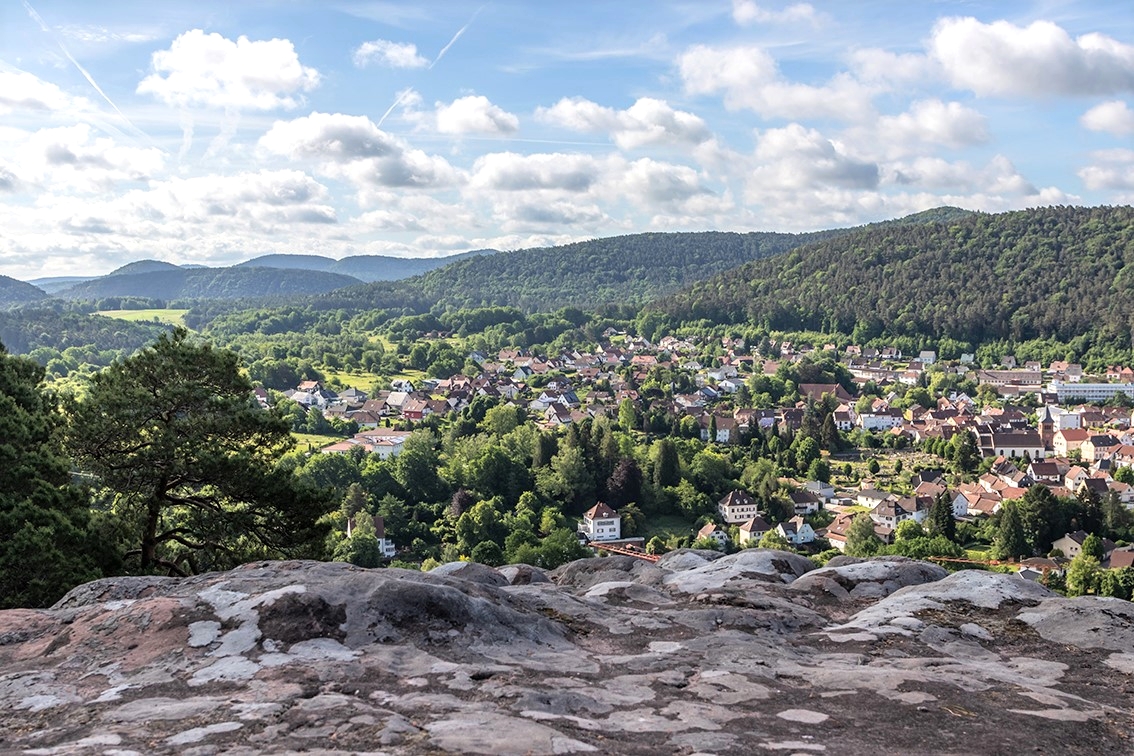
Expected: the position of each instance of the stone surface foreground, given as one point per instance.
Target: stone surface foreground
(747, 653)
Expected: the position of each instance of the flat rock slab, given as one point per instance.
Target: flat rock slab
(703, 653)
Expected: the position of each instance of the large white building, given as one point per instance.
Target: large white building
(1089, 392)
(601, 523)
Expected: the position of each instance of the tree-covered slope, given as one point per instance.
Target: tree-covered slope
(624, 269)
(1050, 272)
(13, 292)
(211, 283)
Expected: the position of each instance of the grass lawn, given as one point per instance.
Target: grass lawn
(311, 441)
(174, 317)
(357, 379)
(663, 525)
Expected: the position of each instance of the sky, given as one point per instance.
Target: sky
(211, 132)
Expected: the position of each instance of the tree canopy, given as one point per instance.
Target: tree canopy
(174, 433)
(45, 541)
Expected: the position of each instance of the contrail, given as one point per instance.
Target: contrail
(397, 101)
(456, 36)
(90, 79)
(402, 95)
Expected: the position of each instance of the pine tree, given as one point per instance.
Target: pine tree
(45, 543)
(941, 521)
(1010, 542)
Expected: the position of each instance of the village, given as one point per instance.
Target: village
(1030, 425)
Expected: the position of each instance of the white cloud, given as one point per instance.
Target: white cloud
(1040, 59)
(1114, 117)
(20, 90)
(509, 171)
(746, 12)
(749, 78)
(648, 121)
(209, 70)
(999, 177)
(474, 114)
(932, 122)
(874, 65)
(72, 157)
(1111, 170)
(355, 148)
(389, 54)
(795, 157)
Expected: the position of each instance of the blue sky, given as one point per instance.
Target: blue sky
(210, 132)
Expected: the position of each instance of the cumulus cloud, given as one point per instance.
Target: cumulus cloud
(20, 90)
(797, 157)
(1040, 59)
(932, 122)
(746, 12)
(510, 171)
(389, 54)
(1114, 117)
(648, 121)
(73, 158)
(998, 177)
(475, 114)
(749, 78)
(355, 148)
(209, 70)
(1111, 170)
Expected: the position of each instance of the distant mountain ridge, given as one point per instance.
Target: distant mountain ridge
(14, 292)
(209, 283)
(366, 268)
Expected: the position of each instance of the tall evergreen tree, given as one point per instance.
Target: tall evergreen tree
(1010, 542)
(45, 542)
(941, 521)
(174, 432)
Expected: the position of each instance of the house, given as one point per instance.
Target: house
(805, 502)
(714, 531)
(815, 391)
(753, 530)
(385, 545)
(1068, 440)
(737, 506)
(837, 530)
(890, 513)
(1071, 544)
(601, 523)
(796, 532)
(1098, 446)
(1037, 568)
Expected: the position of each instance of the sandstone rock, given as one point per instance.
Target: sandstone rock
(743, 567)
(1085, 622)
(698, 655)
(868, 579)
(471, 571)
(523, 574)
(583, 574)
(687, 559)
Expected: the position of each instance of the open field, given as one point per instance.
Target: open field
(311, 441)
(173, 317)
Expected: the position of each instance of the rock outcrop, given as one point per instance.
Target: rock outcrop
(748, 653)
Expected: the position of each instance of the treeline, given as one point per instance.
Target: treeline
(1049, 273)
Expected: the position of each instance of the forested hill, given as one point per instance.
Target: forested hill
(623, 269)
(365, 268)
(1051, 272)
(13, 292)
(210, 283)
